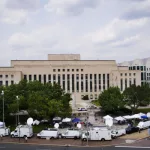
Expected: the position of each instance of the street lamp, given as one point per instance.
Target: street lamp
(18, 107)
(3, 105)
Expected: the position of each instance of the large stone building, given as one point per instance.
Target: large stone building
(140, 64)
(85, 77)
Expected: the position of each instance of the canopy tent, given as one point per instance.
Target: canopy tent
(127, 117)
(2, 124)
(136, 116)
(36, 122)
(148, 114)
(66, 120)
(144, 117)
(76, 120)
(56, 118)
(142, 114)
(119, 118)
(107, 117)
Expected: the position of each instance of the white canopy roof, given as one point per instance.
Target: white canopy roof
(148, 114)
(56, 118)
(136, 116)
(142, 114)
(107, 117)
(36, 122)
(66, 120)
(127, 117)
(119, 118)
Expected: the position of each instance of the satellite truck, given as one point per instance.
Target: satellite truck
(23, 130)
(102, 134)
(4, 131)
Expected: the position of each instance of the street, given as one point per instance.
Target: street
(46, 147)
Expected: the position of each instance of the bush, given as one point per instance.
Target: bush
(143, 110)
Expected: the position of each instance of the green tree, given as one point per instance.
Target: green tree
(134, 96)
(111, 100)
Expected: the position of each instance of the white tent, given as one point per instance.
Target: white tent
(107, 117)
(66, 120)
(119, 118)
(136, 116)
(36, 122)
(56, 118)
(142, 114)
(148, 114)
(127, 117)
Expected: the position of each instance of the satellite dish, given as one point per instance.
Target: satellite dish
(79, 125)
(29, 121)
(109, 122)
(56, 125)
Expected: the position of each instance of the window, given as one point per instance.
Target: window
(99, 78)
(134, 81)
(68, 82)
(86, 82)
(72, 70)
(68, 70)
(25, 77)
(44, 78)
(58, 70)
(134, 74)
(144, 68)
(77, 70)
(1, 83)
(95, 82)
(12, 82)
(59, 79)
(1, 76)
(12, 76)
(63, 81)
(103, 81)
(107, 80)
(77, 82)
(6, 83)
(54, 78)
(72, 82)
(49, 78)
(35, 77)
(6, 76)
(130, 82)
(82, 86)
(63, 70)
(121, 84)
(141, 68)
(54, 70)
(129, 74)
(81, 69)
(91, 89)
(39, 78)
(125, 74)
(120, 74)
(133, 67)
(125, 83)
(138, 67)
(30, 77)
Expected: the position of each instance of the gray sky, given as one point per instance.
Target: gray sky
(97, 29)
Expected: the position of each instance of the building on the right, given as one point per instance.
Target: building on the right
(140, 64)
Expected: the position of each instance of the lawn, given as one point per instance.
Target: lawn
(96, 102)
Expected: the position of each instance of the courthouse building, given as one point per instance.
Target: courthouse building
(85, 77)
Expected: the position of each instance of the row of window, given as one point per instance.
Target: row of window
(148, 74)
(71, 82)
(121, 74)
(6, 76)
(142, 68)
(6, 83)
(126, 82)
(68, 70)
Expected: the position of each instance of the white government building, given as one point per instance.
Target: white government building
(140, 64)
(83, 77)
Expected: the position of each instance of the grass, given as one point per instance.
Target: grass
(96, 102)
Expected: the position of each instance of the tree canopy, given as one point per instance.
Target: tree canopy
(111, 100)
(42, 101)
(135, 96)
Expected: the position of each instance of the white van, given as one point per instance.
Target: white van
(116, 133)
(72, 133)
(143, 125)
(99, 134)
(22, 131)
(4, 131)
(49, 133)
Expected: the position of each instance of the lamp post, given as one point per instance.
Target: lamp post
(18, 107)
(3, 105)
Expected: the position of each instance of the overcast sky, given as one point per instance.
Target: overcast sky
(97, 29)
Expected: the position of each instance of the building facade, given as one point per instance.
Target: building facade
(140, 64)
(85, 77)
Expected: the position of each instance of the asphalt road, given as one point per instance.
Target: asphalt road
(40, 147)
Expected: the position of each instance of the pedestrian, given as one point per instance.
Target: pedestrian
(139, 130)
(26, 139)
(1, 137)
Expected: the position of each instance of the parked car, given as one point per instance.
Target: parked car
(82, 109)
(130, 130)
